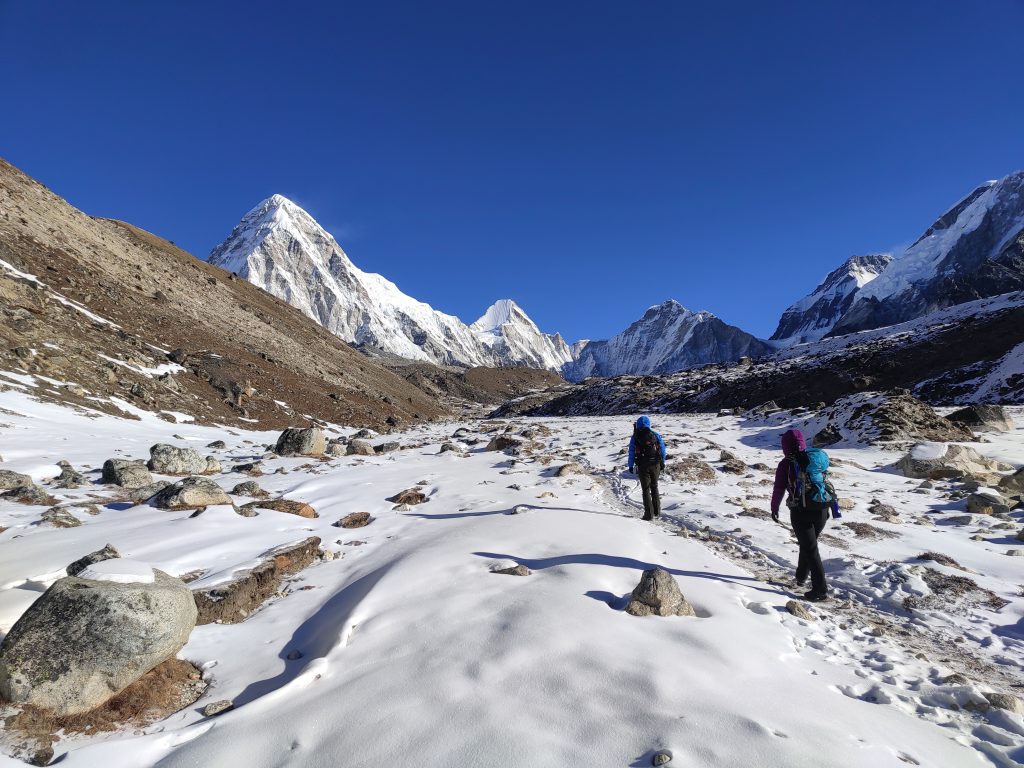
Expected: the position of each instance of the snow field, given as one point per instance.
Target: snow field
(412, 651)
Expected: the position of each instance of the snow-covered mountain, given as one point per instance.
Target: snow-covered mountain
(814, 315)
(282, 249)
(974, 250)
(666, 339)
(510, 334)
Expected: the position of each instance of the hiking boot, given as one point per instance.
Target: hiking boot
(816, 597)
(647, 517)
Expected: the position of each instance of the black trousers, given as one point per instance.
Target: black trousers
(808, 526)
(649, 484)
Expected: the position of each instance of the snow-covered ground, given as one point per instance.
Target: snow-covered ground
(413, 653)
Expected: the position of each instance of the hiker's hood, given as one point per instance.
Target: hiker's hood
(793, 441)
(643, 421)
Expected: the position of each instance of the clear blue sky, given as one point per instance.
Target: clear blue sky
(588, 159)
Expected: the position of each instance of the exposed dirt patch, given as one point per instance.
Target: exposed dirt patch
(164, 690)
(947, 590)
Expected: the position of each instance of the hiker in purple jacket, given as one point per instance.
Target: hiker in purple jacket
(807, 524)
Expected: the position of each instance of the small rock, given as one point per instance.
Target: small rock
(1015, 552)
(409, 497)
(212, 466)
(30, 494)
(253, 468)
(955, 679)
(125, 472)
(189, 493)
(663, 756)
(336, 449)
(515, 570)
(387, 447)
(249, 488)
(144, 493)
(1006, 701)
(658, 594)
(450, 448)
(69, 478)
(799, 610)
(986, 503)
(294, 655)
(217, 445)
(60, 518)
(288, 506)
(567, 470)
(360, 448)
(107, 553)
(354, 520)
(218, 708)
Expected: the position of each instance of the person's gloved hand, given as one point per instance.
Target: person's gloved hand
(775, 516)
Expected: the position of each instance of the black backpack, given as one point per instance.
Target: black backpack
(646, 448)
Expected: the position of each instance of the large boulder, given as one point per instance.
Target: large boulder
(171, 460)
(938, 461)
(658, 594)
(1013, 484)
(301, 442)
(190, 493)
(69, 477)
(90, 636)
(983, 418)
(10, 480)
(359, 448)
(986, 502)
(127, 473)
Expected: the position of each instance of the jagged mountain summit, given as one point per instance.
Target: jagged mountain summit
(817, 313)
(282, 249)
(975, 250)
(668, 338)
(508, 332)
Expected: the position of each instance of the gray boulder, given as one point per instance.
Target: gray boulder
(936, 461)
(85, 640)
(249, 488)
(144, 493)
(107, 553)
(127, 473)
(10, 480)
(190, 493)
(171, 460)
(983, 418)
(30, 494)
(658, 594)
(387, 447)
(986, 503)
(1013, 484)
(213, 466)
(359, 448)
(301, 442)
(336, 449)
(69, 477)
(59, 517)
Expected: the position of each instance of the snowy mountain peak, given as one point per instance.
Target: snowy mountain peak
(509, 332)
(974, 250)
(498, 314)
(814, 315)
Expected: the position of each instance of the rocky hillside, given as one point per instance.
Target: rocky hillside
(970, 353)
(108, 317)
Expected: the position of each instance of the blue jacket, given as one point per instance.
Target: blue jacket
(643, 421)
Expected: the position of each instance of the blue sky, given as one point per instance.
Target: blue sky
(585, 159)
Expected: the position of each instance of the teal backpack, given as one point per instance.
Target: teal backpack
(809, 485)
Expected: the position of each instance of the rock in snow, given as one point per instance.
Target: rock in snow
(658, 594)
(85, 640)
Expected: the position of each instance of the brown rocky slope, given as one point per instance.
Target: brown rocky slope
(98, 309)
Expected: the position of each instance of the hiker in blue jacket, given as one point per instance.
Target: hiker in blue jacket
(647, 455)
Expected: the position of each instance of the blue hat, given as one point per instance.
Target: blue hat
(643, 421)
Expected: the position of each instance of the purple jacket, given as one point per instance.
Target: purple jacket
(792, 441)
